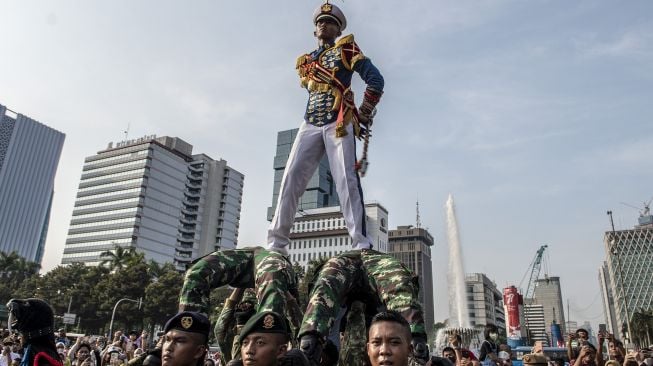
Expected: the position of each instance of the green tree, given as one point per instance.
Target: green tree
(642, 327)
(119, 257)
(129, 282)
(156, 270)
(162, 296)
(14, 270)
(72, 285)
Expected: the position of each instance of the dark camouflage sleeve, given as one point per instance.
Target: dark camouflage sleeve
(224, 323)
(228, 267)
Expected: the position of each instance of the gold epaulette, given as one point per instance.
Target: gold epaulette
(344, 40)
(350, 52)
(301, 60)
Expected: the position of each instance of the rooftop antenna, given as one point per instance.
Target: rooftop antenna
(126, 132)
(418, 222)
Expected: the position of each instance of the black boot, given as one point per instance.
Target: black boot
(420, 349)
(311, 345)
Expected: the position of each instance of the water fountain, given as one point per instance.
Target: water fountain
(458, 322)
(458, 312)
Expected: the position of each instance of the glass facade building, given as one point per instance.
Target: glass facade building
(320, 191)
(152, 194)
(629, 277)
(29, 156)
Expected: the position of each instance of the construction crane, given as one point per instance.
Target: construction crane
(535, 267)
(645, 217)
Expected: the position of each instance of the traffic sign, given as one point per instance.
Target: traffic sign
(69, 318)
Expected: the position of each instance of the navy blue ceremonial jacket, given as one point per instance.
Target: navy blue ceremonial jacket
(326, 73)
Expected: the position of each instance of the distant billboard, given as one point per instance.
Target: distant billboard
(512, 301)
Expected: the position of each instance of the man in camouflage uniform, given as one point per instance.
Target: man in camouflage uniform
(377, 279)
(237, 310)
(269, 272)
(353, 350)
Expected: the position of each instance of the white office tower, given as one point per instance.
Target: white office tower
(153, 195)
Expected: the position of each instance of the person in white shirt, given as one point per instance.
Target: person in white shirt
(7, 356)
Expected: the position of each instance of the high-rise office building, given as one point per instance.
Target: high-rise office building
(535, 324)
(629, 254)
(412, 246)
(549, 295)
(154, 195)
(607, 298)
(29, 155)
(484, 301)
(320, 191)
(321, 233)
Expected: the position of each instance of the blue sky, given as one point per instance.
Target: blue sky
(536, 115)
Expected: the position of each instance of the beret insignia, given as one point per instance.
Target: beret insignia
(268, 322)
(187, 322)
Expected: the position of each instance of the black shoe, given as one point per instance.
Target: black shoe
(420, 349)
(311, 346)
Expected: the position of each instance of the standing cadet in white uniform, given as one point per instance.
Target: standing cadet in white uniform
(330, 125)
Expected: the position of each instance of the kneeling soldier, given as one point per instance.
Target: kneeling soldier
(264, 339)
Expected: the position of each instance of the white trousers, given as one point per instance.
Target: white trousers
(310, 145)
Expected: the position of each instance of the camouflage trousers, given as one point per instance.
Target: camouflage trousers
(367, 275)
(270, 273)
(353, 346)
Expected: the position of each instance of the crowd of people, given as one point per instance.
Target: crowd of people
(266, 339)
(587, 354)
(82, 350)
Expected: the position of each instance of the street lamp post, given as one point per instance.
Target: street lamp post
(614, 250)
(113, 314)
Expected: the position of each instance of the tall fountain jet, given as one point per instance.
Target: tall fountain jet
(458, 313)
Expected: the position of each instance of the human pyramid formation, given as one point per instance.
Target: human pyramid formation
(362, 286)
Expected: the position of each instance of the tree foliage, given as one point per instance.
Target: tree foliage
(162, 296)
(92, 292)
(14, 270)
(120, 257)
(642, 327)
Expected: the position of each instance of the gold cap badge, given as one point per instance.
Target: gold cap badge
(326, 8)
(187, 322)
(268, 321)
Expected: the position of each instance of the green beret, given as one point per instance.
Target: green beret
(535, 359)
(264, 322)
(189, 321)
